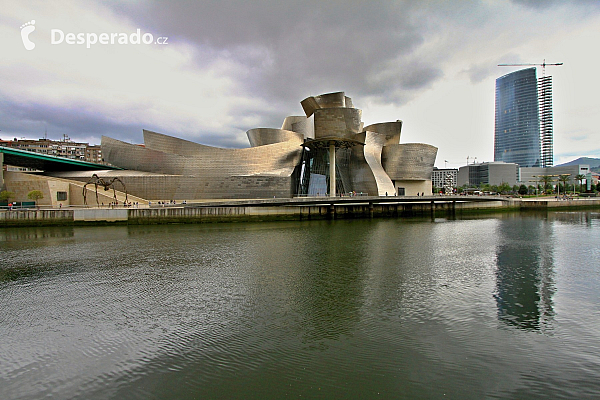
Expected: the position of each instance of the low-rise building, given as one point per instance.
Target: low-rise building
(491, 173)
(60, 148)
(441, 177)
(531, 176)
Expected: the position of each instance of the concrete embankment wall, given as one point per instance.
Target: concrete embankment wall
(562, 204)
(36, 217)
(166, 215)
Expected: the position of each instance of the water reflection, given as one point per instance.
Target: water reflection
(524, 275)
(587, 219)
(317, 309)
(329, 289)
(10, 235)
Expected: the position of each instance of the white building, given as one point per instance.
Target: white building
(439, 177)
(531, 175)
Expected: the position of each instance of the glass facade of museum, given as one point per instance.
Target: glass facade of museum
(517, 135)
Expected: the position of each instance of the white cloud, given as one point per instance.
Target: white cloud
(232, 67)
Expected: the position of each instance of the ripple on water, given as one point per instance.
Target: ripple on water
(352, 308)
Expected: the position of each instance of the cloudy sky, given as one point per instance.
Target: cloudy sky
(229, 66)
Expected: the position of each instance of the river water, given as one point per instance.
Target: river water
(498, 306)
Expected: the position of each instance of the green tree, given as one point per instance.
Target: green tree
(564, 179)
(35, 195)
(523, 190)
(546, 182)
(580, 178)
(504, 188)
(5, 195)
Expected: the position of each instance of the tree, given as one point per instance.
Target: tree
(5, 195)
(523, 190)
(504, 188)
(564, 179)
(35, 195)
(546, 180)
(580, 178)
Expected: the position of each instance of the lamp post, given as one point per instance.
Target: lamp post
(536, 183)
(564, 178)
(557, 185)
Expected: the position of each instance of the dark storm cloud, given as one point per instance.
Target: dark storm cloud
(269, 55)
(33, 120)
(291, 50)
(543, 4)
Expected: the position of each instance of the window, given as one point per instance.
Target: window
(61, 196)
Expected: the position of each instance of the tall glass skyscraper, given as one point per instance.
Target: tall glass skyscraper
(517, 136)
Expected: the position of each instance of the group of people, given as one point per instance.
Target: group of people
(170, 202)
(125, 204)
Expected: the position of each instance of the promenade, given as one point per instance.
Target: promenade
(236, 210)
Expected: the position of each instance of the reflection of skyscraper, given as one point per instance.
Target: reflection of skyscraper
(517, 134)
(524, 275)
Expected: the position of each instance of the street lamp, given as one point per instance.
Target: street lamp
(557, 185)
(536, 183)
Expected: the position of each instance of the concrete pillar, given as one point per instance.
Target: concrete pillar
(331, 169)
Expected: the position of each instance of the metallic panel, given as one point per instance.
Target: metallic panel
(263, 171)
(264, 136)
(342, 123)
(348, 102)
(361, 175)
(369, 161)
(373, 146)
(328, 100)
(391, 130)
(170, 144)
(300, 124)
(411, 161)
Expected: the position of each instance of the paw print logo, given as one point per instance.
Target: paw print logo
(26, 29)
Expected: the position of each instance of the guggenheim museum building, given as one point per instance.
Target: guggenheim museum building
(325, 152)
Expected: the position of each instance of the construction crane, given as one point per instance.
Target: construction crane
(543, 65)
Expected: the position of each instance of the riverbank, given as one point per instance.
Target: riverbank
(286, 209)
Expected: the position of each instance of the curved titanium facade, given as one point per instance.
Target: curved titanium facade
(517, 131)
(255, 172)
(329, 100)
(340, 123)
(410, 161)
(374, 144)
(294, 160)
(391, 130)
(264, 136)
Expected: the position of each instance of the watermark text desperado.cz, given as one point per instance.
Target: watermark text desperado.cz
(57, 36)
